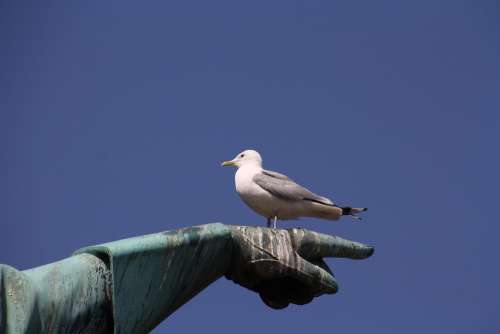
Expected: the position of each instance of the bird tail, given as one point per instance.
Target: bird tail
(353, 212)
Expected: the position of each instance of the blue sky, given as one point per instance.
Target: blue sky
(114, 117)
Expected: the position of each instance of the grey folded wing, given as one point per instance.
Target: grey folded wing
(285, 188)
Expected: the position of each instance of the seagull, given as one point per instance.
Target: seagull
(276, 196)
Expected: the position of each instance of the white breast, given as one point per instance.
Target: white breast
(257, 198)
(252, 194)
(243, 179)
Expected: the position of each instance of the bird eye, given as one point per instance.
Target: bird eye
(242, 155)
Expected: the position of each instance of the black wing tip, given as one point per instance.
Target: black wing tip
(347, 210)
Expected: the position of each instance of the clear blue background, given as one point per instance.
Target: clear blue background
(115, 115)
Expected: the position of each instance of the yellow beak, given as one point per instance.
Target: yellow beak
(227, 163)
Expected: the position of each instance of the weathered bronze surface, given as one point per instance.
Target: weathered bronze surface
(286, 266)
(68, 296)
(131, 285)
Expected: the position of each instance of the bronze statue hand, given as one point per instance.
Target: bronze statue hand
(131, 285)
(286, 266)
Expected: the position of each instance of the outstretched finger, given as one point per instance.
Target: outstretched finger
(312, 245)
(316, 278)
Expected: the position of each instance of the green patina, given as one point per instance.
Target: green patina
(67, 296)
(131, 285)
(155, 274)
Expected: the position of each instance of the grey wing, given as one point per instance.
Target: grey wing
(285, 188)
(276, 175)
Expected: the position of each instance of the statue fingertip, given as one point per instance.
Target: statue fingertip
(370, 251)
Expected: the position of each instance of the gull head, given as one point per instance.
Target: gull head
(245, 158)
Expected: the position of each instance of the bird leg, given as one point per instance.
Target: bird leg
(272, 221)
